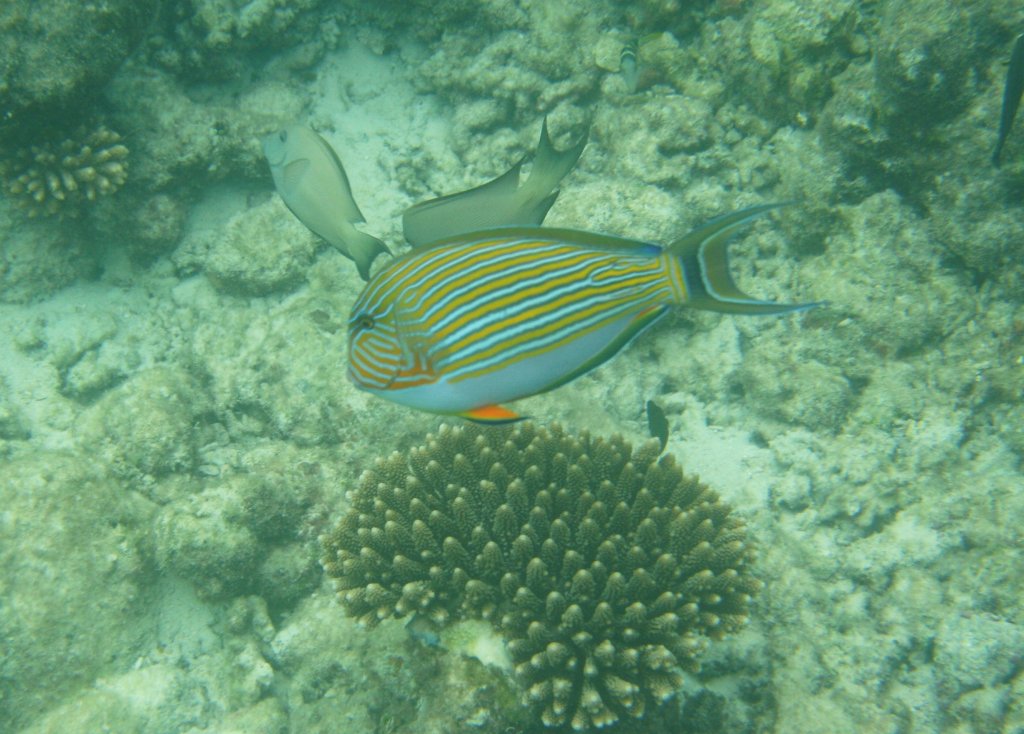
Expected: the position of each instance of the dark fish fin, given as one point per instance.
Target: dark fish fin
(705, 258)
(657, 423)
(628, 64)
(493, 415)
(594, 240)
(1012, 91)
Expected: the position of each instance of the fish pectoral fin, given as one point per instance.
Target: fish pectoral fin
(417, 356)
(492, 415)
(294, 172)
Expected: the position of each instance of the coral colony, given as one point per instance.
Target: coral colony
(604, 568)
(58, 178)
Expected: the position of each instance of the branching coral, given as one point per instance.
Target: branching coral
(605, 568)
(58, 178)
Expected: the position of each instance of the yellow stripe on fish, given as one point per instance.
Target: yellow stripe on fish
(552, 314)
(488, 317)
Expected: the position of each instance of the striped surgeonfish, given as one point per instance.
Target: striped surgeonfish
(484, 318)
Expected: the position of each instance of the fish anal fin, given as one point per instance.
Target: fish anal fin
(492, 415)
(636, 325)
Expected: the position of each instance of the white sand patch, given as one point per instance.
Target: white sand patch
(368, 110)
(723, 457)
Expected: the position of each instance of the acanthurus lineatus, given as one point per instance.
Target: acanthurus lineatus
(1012, 90)
(628, 64)
(489, 317)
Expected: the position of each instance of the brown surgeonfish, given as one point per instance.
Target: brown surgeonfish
(628, 65)
(312, 182)
(498, 203)
(657, 423)
(1011, 96)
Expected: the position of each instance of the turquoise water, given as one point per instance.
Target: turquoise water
(177, 429)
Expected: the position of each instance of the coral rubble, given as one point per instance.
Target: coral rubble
(604, 567)
(56, 56)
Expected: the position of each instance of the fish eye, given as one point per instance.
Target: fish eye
(364, 322)
(283, 136)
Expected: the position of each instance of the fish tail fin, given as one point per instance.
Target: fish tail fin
(551, 166)
(704, 256)
(364, 248)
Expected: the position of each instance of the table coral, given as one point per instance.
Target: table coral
(605, 568)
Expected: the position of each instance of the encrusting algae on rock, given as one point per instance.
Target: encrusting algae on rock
(603, 567)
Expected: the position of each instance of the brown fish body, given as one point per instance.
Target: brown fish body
(312, 182)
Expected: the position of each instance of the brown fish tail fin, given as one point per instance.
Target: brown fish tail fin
(549, 168)
(364, 249)
(464, 211)
(705, 259)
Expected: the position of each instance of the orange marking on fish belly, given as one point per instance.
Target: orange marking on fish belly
(492, 414)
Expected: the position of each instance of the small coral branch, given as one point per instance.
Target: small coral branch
(59, 178)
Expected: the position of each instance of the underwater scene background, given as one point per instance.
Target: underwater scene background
(179, 441)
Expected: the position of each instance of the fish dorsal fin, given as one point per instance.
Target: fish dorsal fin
(294, 172)
(580, 237)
